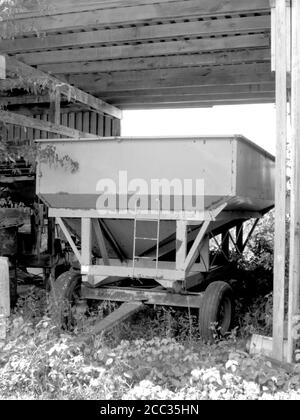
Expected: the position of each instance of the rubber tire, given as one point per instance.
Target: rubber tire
(216, 295)
(62, 298)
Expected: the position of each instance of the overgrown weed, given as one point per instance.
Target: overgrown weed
(158, 354)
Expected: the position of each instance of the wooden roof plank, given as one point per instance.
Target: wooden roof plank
(211, 79)
(170, 78)
(142, 33)
(66, 6)
(139, 13)
(148, 63)
(149, 79)
(146, 50)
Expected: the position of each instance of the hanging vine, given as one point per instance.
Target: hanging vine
(11, 27)
(50, 156)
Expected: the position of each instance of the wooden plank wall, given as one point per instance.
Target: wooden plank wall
(87, 121)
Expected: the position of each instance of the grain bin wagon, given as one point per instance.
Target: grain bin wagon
(141, 214)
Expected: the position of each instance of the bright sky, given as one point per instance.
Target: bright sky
(256, 122)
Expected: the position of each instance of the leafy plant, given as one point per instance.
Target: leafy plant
(11, 27)
(38, 361)
(50, 156)
(259, 251)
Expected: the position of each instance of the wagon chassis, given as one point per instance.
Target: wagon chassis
(174, 279)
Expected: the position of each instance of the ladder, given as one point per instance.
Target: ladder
(136, 238)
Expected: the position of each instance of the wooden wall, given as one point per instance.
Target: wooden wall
(87, 121)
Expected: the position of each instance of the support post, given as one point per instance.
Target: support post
(55, 99)
(225, 244)
(50, 244)
(2, 67)
(294, 273)
(250, 234)
(54, 117)
(86, 242)
(194, 251)
(100, 240)
(281, 45)
(181, 244)
(69, 238)
(239, 237)
(4, 296)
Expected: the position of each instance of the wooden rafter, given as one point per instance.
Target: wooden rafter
(172, 78)
(204, 28)
(25, 72)
(63, 6)
(136, 12)
(140, 96)
(161, 62)
(192, 46)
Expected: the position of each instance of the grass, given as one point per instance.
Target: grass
(158, 354)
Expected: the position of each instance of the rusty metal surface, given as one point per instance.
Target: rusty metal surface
(150, 297)
(121, 314)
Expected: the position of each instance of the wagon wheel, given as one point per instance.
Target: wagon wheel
(65, 295)
(216, 311)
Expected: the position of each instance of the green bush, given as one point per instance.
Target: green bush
(259, 251)
(37, 361)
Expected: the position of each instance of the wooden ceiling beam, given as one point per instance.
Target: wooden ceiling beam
(192, 90)
(123, 102)
(166, 31)
(201, 81)
(191, 98)
(150, 63)
(65, 6)
(180, 105)
(31, 100)
(194, 46)
(32, 75)
(163, 78)
(138, 13)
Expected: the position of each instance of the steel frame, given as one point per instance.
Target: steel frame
(179, 275)
(154, 296)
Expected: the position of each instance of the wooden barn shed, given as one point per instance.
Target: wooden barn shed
(89, 60)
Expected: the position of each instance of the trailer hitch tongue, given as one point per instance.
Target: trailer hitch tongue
(121, 314)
